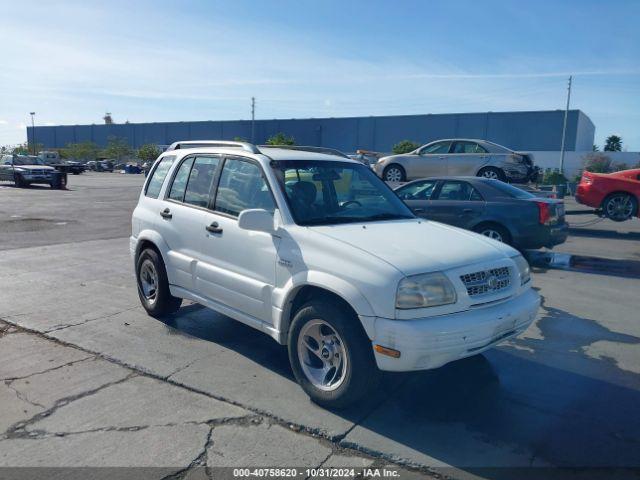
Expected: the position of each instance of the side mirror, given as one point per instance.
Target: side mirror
(256, 220)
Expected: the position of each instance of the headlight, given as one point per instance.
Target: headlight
(523, 269)
(426, 290)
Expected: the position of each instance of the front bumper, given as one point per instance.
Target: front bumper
(427, 343)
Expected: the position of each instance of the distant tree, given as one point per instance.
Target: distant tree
(240, 139)
(405, 146)
(117, 148)
(613, 143)
(596, 148)
(84, 151)
(617, 167)
(148, 152)
(597, 163)
(280, 139)
(21, 149)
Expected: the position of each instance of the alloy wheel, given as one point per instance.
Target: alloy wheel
(322, 354)
(149, 281)
(491, 174)
(619, 207)
(492, 234)
(393, 175)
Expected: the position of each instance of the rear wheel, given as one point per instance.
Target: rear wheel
(494, 231)
(331, 356)
(394, 173)
(620, 207)
(153, 285)
(493, 173)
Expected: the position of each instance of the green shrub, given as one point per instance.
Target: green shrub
(553, 177)
(597, 163)
(405, 146)
(280, 139)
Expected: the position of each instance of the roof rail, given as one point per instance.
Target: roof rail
(248, 147)
(326, 150)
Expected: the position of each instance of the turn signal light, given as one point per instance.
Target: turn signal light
(390, 352)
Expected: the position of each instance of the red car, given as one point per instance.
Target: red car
(617, 194)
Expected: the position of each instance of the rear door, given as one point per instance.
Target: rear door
(466, 158)
(238, 267)
(431, 160)
(456, 202)
(182, 218)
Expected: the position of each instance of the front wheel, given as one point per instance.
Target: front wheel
(19, 181)
(394, 173)
(153, 285)
(331, 356)
(620, 207)
(492, 173)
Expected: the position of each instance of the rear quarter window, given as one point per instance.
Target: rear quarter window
(157, 176)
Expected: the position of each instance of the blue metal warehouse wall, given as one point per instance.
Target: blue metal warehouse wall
(536, 130)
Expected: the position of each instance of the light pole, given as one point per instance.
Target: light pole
(33, 132)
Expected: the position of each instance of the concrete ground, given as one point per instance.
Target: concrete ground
(88, 379)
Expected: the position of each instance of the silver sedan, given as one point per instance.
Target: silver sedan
(457, 157)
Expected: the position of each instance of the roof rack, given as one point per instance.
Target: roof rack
(249, 147)
(326, 150)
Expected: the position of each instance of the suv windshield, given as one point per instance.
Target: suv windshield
(24, 160)
(327, 193)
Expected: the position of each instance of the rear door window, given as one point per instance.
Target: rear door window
(200, 183)
(417, 191)
(467, 147)
(154, 185)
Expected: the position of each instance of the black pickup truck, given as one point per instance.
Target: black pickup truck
(25, 170)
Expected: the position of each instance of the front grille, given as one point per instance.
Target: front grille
(38, 172)
(486, 281)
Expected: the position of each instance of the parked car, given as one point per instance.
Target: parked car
(490, 207)
(351, 282)
(616, 194)
(25, 170)
(458, 157)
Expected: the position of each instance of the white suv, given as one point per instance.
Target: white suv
(316, 251)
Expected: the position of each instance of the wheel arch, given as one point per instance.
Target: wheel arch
(625, 192)
(337, 290)
(151, 239)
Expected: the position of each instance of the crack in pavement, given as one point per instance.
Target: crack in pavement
(336, 442)
(67, 325)
(199, 461)
(18, 429)
(21, 396)
(12, 379)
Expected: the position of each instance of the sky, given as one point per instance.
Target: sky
(153, 61)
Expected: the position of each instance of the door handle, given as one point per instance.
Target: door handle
(213, 228)
(466, 211)
(166, 214)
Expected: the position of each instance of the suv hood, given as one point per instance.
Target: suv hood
(418, 246)
(34, 167)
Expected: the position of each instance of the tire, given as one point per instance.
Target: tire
(394, 173)
(620, 207)
(494, 231)
(493, 173)
(20, 183)
(153, 285)
(354, 372)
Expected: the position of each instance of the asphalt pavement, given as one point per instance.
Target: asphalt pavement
(90, 380)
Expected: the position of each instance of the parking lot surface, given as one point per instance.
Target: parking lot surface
(88, 379)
